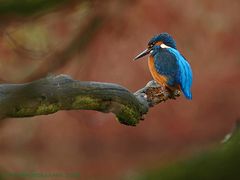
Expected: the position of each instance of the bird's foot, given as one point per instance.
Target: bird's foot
(174, 93)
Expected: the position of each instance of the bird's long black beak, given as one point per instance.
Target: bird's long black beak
(144, 53)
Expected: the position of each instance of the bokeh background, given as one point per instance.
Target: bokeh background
(96, 41)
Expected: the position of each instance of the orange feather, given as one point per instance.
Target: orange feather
(162, 80)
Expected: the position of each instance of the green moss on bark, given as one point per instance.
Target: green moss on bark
(128, 115)
(47, 108)
(86, 102)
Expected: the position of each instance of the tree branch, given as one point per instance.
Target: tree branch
(54, 93)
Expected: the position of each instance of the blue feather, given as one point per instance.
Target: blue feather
(166, 64)
(184, 77)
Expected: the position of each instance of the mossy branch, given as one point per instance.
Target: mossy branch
(54, 93)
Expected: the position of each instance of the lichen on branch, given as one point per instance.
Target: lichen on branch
(55, 93)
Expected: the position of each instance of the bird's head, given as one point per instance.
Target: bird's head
(158, 40)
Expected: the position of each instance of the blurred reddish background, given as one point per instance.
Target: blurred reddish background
(95, 144)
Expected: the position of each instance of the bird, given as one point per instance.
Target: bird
(167, 65)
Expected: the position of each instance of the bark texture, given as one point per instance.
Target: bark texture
(55, 93)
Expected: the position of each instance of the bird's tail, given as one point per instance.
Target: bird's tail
(187, 94)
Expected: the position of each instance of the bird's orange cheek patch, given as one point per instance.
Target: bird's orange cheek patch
(156, 76)
(159, 43)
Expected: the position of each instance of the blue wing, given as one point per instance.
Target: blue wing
(184, 76)
(166, 65)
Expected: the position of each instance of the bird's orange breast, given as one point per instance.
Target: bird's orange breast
(162, 80)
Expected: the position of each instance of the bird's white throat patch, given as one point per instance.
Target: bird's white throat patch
(164, 46)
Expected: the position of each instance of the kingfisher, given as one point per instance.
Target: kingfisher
(167, 65)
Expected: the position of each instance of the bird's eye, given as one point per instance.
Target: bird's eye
(150, 45)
